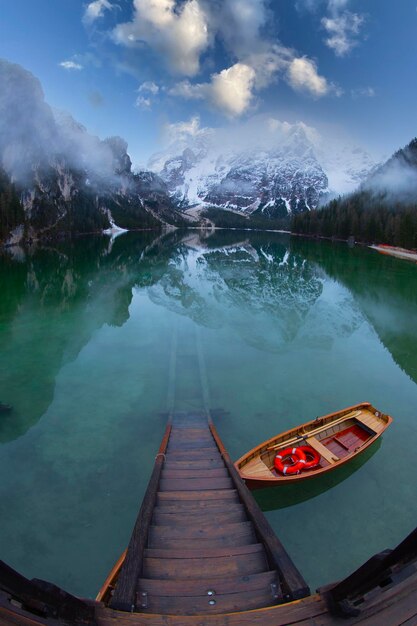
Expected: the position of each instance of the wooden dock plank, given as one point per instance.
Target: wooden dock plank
(207, 507)
(231, 584)
(195, 473)
(213, 494)
(195, 484)
(209, 605)
(200, 533)
(186, 569)
(160, 553)
(197, 518)
(212, 531)
(186, 463)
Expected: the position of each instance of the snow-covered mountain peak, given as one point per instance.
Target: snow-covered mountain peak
(286, 168)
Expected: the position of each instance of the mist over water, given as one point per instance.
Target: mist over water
(289, 329)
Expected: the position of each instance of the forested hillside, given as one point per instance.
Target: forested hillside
(383, 210)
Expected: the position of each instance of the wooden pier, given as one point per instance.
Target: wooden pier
(203, 554)
(201, 545)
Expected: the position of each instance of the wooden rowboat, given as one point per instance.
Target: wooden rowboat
(337, 438)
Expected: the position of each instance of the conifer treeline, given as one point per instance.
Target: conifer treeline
(365, 216)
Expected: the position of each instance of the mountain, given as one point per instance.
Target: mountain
(270, 178)
(56, 178)
(397, 177)
(382, 210)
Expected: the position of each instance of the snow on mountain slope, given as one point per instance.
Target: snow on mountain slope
(280, 173)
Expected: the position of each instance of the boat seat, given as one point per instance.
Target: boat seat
(322, 450)
(368, 422)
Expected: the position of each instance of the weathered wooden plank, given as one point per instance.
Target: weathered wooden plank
(195, 484)
(161, 533)
(187, 518)
(199, 454)
(216, 494)
(196, 544)
(311, 612)
(210, 604)
(231, 584)
(195, 473)
(162, 553)
(215, 462)
(201, 568)
(189, 507)
(191, 434)
(191, 444)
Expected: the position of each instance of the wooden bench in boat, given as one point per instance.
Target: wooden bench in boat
(369, 420)
(322, 450)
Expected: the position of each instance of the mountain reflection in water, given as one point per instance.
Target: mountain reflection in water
(260, 287)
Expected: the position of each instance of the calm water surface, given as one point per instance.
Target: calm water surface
(289, 329)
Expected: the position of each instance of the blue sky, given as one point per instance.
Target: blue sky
(144, 68)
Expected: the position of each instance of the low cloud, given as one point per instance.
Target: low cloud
(71, 65)
(179, 33)
(32, 133)
(184, 131)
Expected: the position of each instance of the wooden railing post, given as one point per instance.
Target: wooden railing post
(369, 575)
(45, 599)
(293, 584)
(124, 597)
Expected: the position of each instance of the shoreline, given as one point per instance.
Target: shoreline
(397, 252)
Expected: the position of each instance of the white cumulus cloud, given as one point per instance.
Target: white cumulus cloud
(179, 32)
(96, 9)
(230, 91)
(303, 76)
(71, 65)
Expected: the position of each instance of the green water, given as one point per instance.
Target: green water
(289, 329)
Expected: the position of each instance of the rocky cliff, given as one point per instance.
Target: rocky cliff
(56, 178)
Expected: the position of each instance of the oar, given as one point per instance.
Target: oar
(313, 432)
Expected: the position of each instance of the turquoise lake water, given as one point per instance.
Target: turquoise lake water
(289, 329)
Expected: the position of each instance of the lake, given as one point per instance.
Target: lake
(92, 333)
